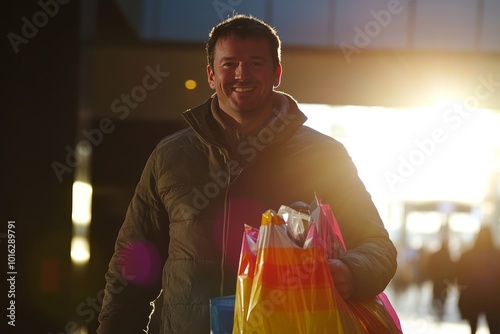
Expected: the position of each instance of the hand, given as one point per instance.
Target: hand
(342, 277)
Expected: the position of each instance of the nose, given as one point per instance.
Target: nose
(241, 72)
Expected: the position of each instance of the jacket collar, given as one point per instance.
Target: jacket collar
(286, 121)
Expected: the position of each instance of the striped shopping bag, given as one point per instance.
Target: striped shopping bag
(286, 288)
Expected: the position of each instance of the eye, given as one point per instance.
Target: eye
(229, 65)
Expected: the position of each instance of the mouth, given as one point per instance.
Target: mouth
(243, 89)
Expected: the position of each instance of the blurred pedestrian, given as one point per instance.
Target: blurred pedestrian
(441, 272)
(479, 280)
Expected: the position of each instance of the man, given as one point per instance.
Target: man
(245, 151)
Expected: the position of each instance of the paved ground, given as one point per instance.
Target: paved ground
(415, 312)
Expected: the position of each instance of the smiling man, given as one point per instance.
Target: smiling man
(245, 151)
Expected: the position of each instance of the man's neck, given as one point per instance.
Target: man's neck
(245, 124)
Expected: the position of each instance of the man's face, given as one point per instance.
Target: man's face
(243, 76)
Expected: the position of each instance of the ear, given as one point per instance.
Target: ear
(210, 77)
(277, 76)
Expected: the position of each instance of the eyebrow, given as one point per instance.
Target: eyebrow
(223, 59)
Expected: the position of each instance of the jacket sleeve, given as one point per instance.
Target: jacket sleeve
(370, 255)
(133, 279)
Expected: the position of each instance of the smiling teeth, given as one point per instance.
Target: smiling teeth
(241, 89)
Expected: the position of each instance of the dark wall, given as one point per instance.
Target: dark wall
(40, 95)
(47, 83)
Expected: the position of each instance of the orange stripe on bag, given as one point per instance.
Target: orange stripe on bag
(292, 256)
(297, 275)
(293, 301)
(284, 288)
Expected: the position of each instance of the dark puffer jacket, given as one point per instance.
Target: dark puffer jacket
(194, 197)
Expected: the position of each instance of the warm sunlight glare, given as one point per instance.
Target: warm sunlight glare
(442, 154)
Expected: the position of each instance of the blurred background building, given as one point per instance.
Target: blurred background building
(411, 87)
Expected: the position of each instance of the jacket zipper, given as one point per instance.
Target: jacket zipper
(225, 225)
